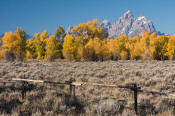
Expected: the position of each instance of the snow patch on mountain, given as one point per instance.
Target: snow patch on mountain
(128, 25)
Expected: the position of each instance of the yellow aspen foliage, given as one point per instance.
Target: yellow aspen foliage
(53, 49)
(135, 48)
(145, 42)
(80, 49)
(0, 42)
(158, 47)
(171, 48)
(69, 47)
(37, 35)
(1, 56)
(154, 43)
(20, 32)
(31, 49)
(114, 50)
(116, 46)
(89, 50)
(124, 55)
(105, 50)
(93, 49)
(40, 44)
(43, 36)
(97, 49)
(28, 55)
(88, 31)
(123, 47)
(87, 41)
(163, 43)
(81, 53)
(11, 43)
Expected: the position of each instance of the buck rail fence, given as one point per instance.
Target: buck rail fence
(72, 83)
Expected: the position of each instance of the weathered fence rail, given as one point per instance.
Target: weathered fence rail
(72, 83)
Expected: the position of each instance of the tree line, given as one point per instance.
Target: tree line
(86, 41)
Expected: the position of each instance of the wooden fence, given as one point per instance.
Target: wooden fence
(72, 83)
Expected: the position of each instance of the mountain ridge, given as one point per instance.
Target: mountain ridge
(128, 25)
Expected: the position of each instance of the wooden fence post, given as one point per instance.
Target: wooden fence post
(135, 96)
(24, 89)
(72, 90)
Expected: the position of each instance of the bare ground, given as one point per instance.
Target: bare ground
(51, 100)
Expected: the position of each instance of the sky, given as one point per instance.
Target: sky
(39, 15)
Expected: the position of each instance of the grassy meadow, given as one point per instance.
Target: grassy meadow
(55, 100)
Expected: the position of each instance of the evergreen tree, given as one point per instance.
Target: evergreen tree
(60, 34)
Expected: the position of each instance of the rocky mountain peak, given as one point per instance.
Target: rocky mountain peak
(127, 15)
(122, 26)
(105, 22)
(141, 18)
(106, 25)
(128, 25)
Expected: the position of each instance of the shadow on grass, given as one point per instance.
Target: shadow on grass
(8, 106)
(74, 103)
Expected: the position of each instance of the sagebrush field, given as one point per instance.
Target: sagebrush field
(51, 100)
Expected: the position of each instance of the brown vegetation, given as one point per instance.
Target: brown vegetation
(52, 100)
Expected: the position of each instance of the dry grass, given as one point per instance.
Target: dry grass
(165, 113)
(90, 101)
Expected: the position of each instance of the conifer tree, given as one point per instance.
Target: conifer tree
(53, 49)
(60, 34)
(20, 32)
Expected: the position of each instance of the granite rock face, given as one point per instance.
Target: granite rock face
(141, 24)
(128, 25)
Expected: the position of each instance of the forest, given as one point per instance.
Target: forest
(85, 42)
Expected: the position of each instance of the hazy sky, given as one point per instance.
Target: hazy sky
(38, 15)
